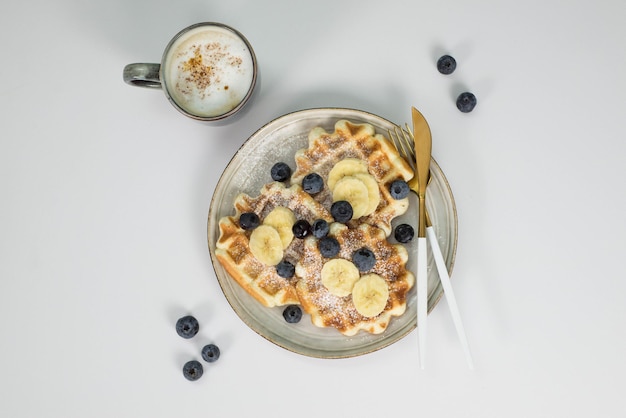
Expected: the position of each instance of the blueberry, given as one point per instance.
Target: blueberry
(312, 183)
(285, 269)
(341, 211)
(446, 64)
(292, 314)
(193, 370)
(210, 353)
(280, 172)
(399, 189)
(328, 246)
(466, 102)
(404, 233)
(364, 259)
(320, 228)
(249, 220)
(301, 229)
(187, 326)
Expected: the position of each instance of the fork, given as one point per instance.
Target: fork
(403, 140)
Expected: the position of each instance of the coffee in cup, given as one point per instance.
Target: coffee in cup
(208, 72)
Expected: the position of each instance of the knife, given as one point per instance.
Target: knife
(423, 148)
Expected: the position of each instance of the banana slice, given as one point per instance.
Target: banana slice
(343, 168)
(339, 276)
(266, 245)
(370, 294)
(354, 191)
(282, 219)
(373, 193)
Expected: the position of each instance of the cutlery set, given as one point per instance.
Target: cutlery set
(415, 147)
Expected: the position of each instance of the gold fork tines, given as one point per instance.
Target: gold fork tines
(403, 140)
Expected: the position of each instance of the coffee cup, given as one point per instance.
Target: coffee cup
(208, 72)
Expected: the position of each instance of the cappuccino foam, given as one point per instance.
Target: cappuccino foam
(208, 71)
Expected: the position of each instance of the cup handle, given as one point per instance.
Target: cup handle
(143, 75)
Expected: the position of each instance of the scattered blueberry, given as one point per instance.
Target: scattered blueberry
(399, 189)
(285, 269)
(328, 246)
(466, 102)
(249, 220)
(280, 172)
(320, 228)
(312, 183)
(364, 259)
(292, 314)
(301, 229)
(210, 353)
(193, 370)
(341, 211)
(446, 64)
(187, 326)
(404, 233)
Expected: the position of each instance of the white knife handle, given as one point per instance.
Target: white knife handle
(444, 276)
(422, 296)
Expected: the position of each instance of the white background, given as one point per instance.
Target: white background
(105, 190)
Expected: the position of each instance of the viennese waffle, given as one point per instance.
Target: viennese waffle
(328, 310)
(326, 151)
(359, 141)
(233, 246)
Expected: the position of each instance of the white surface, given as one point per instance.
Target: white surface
(105, 192)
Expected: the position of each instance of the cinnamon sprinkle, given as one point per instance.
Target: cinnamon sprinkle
(202, 69)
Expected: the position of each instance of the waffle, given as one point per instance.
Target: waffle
(325, 150)
(233, 250)
(359, 141)
(327, 310)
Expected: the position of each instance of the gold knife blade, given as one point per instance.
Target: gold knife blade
(423, 150)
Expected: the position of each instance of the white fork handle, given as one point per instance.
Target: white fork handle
(444, 276)
(422, 296)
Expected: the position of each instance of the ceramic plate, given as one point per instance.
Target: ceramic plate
(249, 170)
